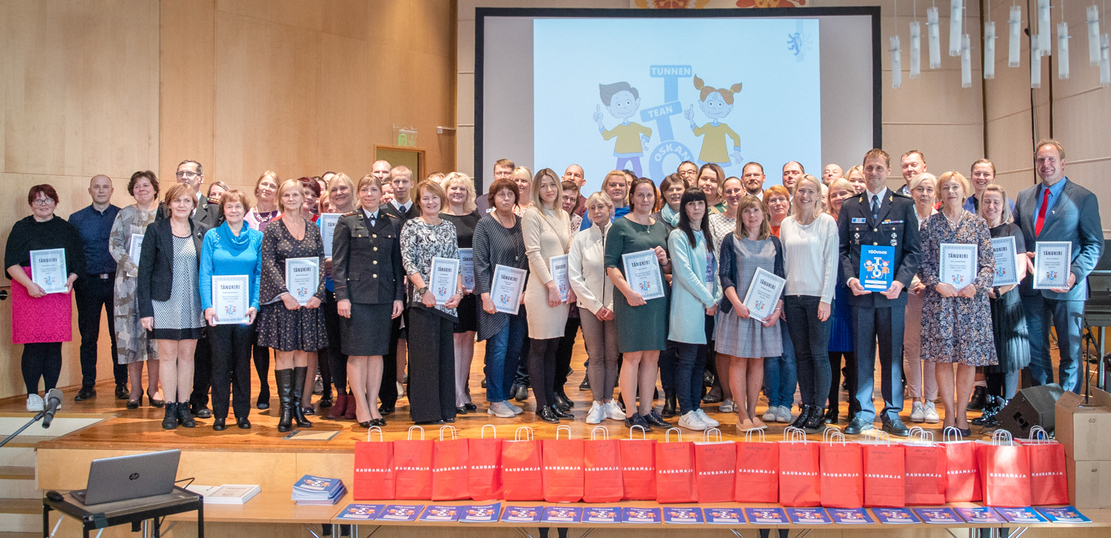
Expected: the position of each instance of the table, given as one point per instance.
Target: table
(134, 511)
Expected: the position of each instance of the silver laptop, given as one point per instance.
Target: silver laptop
(130, 477)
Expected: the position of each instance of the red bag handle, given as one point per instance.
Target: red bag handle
(411, 428)
(678, 432)
(381, 438)
(450, 428)
(832, 434)
(605, 433)
(642, 431)
(750, 433)
(527, 436)
(563, 428)
(951, 435)
(792, 434)
(492, 427)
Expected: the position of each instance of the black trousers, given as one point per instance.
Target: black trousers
(387, 391)
(431, 365)
(565, 349)
(41, 361)
(231, 369)
(94, 294)
(542, 370)
(333, 363)
(835, 380)
(202, 371)
(521, 378)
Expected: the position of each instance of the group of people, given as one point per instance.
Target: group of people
(695, 245)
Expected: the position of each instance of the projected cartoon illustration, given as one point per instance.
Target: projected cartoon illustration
(622, 102)
(715, 104)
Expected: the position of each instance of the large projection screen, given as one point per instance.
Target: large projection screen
(647, 89)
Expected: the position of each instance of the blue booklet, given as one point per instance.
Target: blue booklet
(401, 512)
(895, 516)
(980, 514)
(674, 514)
(521, 514)
(361, 512)
(561, 514)
(850, 516)
(725, 516)
(601, 514)
(440, 512)
(635, 514)
(479, 513)
(876, 267)
(1065, 514)
(772, 516)
(938, 516)
(1021, 515)
(808, 516)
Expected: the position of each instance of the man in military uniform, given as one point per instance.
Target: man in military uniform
(880, 217)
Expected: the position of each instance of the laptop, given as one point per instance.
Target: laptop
(130, 477)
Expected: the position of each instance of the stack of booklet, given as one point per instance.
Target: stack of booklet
(318, 490)
(227, 493)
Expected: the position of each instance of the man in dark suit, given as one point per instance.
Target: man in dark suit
(404, 208)
(1057, 209)
(878, 216)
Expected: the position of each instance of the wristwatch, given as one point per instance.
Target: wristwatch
(421, 291)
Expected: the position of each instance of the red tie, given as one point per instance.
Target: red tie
(1041, 212)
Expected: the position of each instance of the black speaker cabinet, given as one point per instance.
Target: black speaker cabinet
(1030, 407)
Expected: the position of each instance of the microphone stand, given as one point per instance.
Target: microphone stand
(38, 416)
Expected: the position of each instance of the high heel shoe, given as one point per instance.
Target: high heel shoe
(134, 404)
(154, 402)
(299, 375)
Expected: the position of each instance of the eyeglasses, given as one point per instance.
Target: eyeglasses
(187, 174)
(43, 201)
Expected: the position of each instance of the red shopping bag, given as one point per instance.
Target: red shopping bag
(715, 468)
(757, 476)
(638, 467)
(675, 470)
(1047, 469)
(449, 468)
(521, 476)
(884, 474)
(484, 466)
(1004, 472)
(563, 468)
(799, 481)
(412, 463)
(842, 471)
(602, 468)
(925, 470)
(374, 474)
(962, 468)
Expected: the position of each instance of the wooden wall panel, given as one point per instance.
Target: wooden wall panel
(187, 95)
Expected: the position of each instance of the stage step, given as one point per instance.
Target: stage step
(21, 515)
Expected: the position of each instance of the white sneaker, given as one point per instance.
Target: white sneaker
(613, 411)
(931, 414)
(596, 414)
(692, 421)
(728, 406)
(783, 414)
(34, 403)
(516, 410)
(769, 415)
(709, 422)
(917, 413)
(500, 410)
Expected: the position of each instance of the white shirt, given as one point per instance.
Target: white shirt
(402, 208)
(879, 196)
(810, 256)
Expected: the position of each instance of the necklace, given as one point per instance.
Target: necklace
(952, 223)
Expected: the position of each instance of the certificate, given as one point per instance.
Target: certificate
(466, 268)
(958, 264)
(327, 223)
(876, 271)
(1006, 262)
(1052, 264)
(763, 294)
(506, 288)
(443, 279)
(136, 248)
(642, 272)
(48, 269)
(230, 298)
(302, 278)
(557, 266)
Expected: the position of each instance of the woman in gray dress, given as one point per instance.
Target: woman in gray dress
(746, 340)
(131, 340)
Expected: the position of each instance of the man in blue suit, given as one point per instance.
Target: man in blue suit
(1057, 209)
(878, 216)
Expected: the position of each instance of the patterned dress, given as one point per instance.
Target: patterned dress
(131, 340)
(420, 242)
(180, 316)
(957, 329)
(279, 327)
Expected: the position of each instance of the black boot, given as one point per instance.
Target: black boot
(561, 398)
(804, 415)
(184, 417)
(815, 421)
(284, 380)
(830, 416)
(669, 403)
(299, 375)
(979, 398)
(170, 421)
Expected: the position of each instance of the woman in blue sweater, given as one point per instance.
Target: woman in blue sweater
(231, 250)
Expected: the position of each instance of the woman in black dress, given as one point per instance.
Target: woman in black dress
(370, 290)
(462, 212)
(291, 329)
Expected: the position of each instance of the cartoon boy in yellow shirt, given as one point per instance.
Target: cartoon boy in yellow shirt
(622, 101)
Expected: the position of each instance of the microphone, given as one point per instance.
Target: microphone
(53, 402)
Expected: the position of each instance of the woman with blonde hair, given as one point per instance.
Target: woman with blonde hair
(523, 177)
(841, 328)
(855, 176)
(462, 211)
(921, 381)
